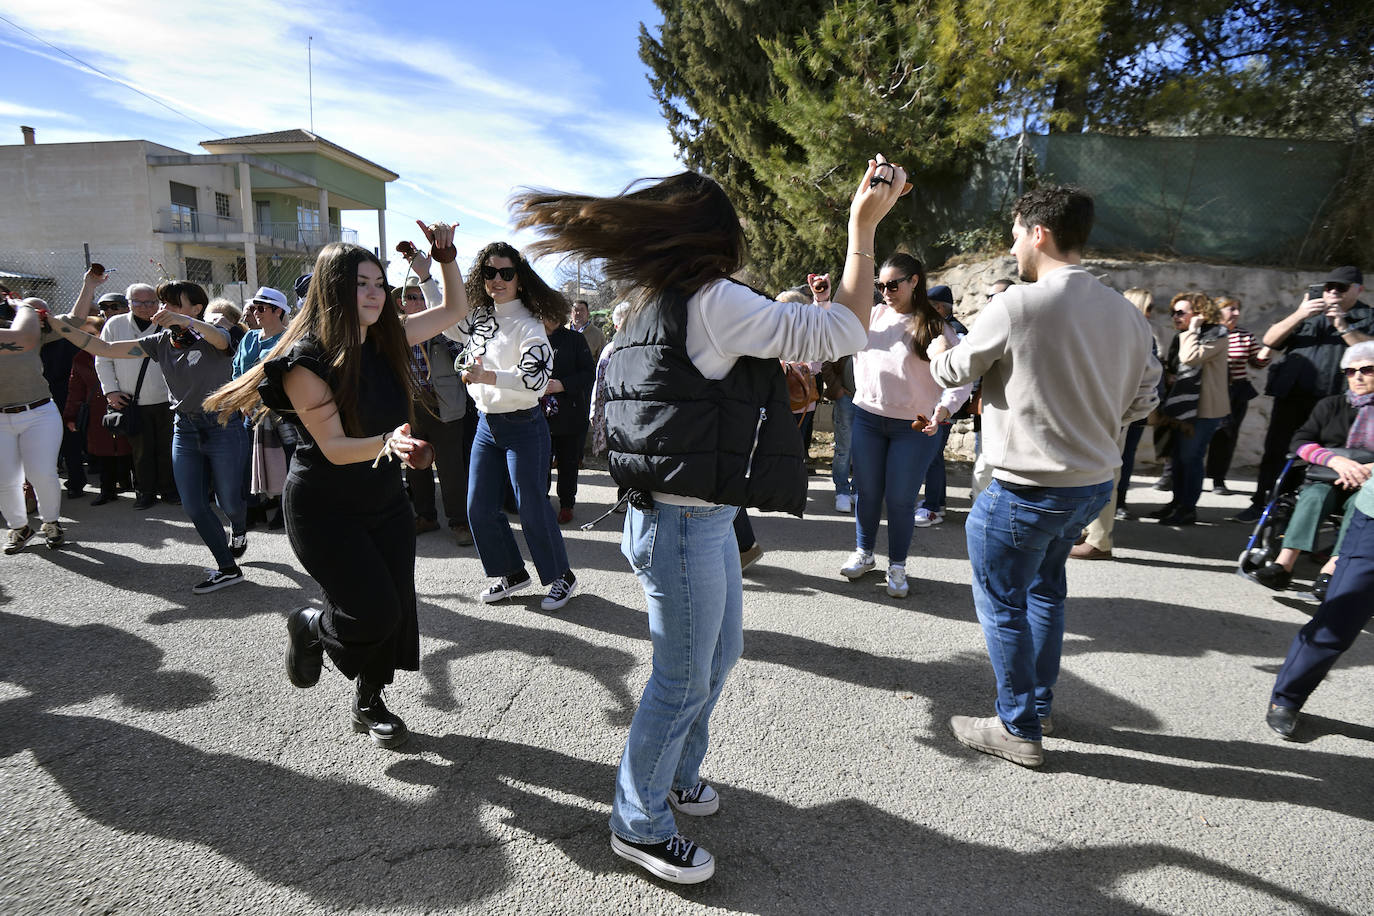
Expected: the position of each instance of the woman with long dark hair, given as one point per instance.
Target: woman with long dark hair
(898, 409)
(340, 376)
(509, 366)
(698, 425)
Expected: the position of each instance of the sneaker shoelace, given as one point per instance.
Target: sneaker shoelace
(559, 589)
(680, 847)
(693, 794)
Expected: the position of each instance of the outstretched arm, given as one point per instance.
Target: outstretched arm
(124, 349)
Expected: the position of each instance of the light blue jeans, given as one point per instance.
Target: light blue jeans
(1018, 542)
(687, 560)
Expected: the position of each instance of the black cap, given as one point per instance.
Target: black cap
(303, 285)
(1349, 275)
(113, 299)
(940, 293)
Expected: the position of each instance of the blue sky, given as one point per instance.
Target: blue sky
(465, 101)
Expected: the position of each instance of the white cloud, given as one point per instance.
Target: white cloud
(464, 131)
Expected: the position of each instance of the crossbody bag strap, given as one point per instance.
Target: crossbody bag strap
(142, 371)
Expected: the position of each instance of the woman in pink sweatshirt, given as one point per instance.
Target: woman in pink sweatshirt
(897, 411)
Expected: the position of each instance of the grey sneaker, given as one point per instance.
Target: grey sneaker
(18, 537)
(699, 801)
(991, 737)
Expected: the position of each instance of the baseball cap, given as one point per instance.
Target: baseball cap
(1348, 274)
(940, 293)
(269, 296)
(116, 299)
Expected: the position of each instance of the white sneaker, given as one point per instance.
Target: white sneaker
(844, 502)
(925, 518)
(896, 580)
(859, 563)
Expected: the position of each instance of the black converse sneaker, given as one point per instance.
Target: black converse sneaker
(505, 586)
(218, 579)
(238, 545)
(699, 800)
(676, 859)
(560, 591)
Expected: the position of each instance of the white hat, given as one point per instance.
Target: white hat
(269, 296)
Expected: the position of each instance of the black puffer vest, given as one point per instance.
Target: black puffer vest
(731, 441)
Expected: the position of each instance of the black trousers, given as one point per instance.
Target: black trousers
(360, 547)
(115, 471)
(567, 452)
(452, 451)
(1222, 448)
(152, 449)
(1287, 416)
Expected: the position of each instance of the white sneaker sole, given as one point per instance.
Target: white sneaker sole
(205, 590)
(549, 605)
(488, 598)
(898, 593)
(693, 875)
(694, 809)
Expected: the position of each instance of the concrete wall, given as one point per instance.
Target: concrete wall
(1266, 295)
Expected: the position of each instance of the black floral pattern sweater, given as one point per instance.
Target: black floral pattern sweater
(510, 342)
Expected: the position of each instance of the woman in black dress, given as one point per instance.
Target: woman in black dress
(339, 376)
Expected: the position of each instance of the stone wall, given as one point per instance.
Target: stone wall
(1266, 295)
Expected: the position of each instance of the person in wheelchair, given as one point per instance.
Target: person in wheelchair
(1337, 443)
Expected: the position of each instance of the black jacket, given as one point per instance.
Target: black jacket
(573, 366)
(1328, 425)
(729, 441)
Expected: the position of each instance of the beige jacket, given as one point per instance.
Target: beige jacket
(1214, 395)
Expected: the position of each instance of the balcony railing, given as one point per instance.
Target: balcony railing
(182, 222)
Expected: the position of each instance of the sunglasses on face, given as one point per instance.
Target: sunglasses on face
(490, 273)
(1179, 313)
(261, 308)
(114, 308)
(1363, 371)
(415, 297)
(1338, 287)
(890, 286)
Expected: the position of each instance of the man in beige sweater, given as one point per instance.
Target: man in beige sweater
(1066, 366)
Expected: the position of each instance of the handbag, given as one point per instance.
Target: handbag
(801, 387)
(124, 421)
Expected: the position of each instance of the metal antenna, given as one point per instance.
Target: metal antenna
(310, 78)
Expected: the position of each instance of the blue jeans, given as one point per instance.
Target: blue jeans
(696, 623)
(934, 498)
(1190, 455)
(844, 424)
(1018, 542)
(890, 461)
(201, 444)
(514, 445)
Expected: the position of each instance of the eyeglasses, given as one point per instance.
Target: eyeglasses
(489, 273)
(1338, 287)
(143, 302)
(891, 285)
(1364, 371)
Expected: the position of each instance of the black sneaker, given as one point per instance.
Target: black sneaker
(218, 579)
(676, 859)
(1249, 515)
(559, 592)
(238, 544)
(144, 502)
(698, 801)
(506, 586)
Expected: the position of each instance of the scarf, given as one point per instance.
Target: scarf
(1362, 430)
(1181, 401)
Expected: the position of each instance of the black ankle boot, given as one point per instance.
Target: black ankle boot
(371, 715)
(304, 651)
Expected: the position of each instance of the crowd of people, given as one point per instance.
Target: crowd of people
(329, 413)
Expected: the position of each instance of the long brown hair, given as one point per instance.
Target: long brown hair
(923, 322)
(543, 301)
(330, 315)
(677, 233)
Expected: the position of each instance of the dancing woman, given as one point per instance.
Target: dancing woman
(699, 426)
(340, 376)
(510, 366)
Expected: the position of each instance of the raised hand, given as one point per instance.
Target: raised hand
(440, 237)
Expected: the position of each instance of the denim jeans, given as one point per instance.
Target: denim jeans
(1190, 455)
(890, 461)
(514, 446)
(1018, 542)
(843, 418)
(696, 623)
(200, 445)
(934, 498)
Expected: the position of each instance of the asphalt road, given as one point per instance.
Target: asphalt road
(155, 759)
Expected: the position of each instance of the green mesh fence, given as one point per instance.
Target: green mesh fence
(1237, 199)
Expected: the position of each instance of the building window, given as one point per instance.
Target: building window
(308, 224)
(221, 205)
(198, 270)
(183, 210)
(240, 270)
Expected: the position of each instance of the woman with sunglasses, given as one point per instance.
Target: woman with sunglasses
(898, 409)
(508, 366)
(340, 375)
(196, 357)
(698, 422)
